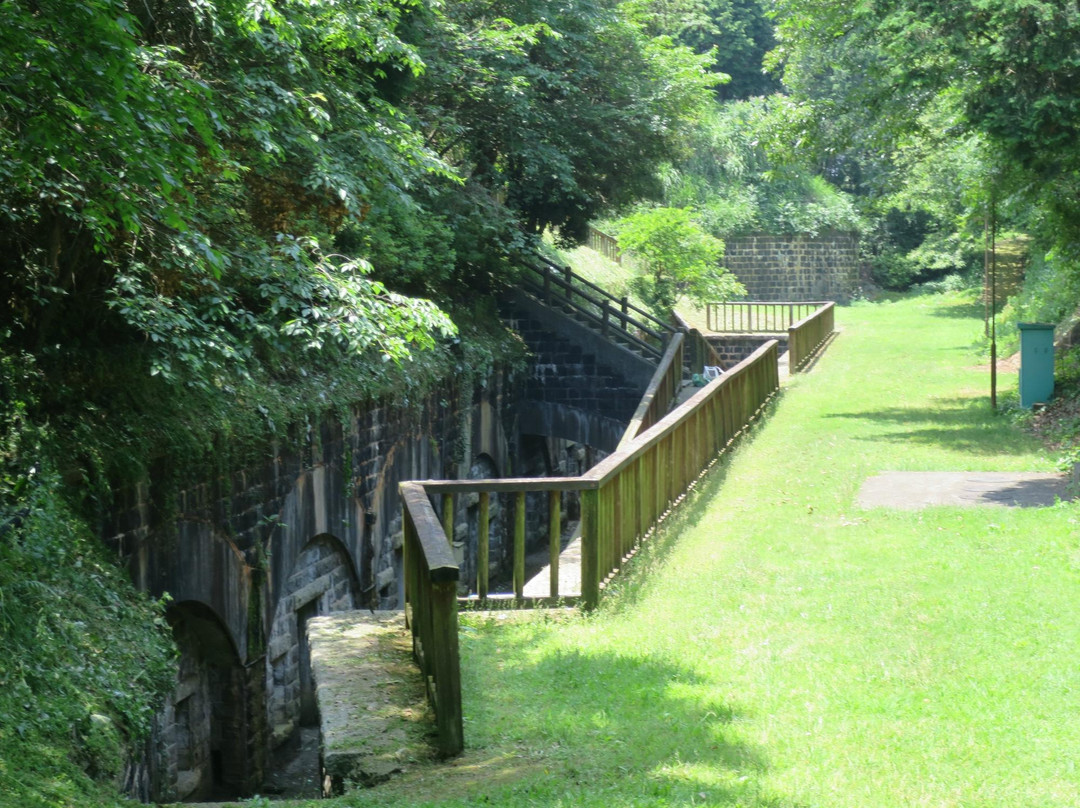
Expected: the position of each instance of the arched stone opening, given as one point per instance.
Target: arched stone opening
(209, 743)
(323, 580)
(467, 527)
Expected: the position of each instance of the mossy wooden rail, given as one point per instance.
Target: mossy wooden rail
(807, 335)
(431, 579)
(623, 499)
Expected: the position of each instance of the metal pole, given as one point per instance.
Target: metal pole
(993, 302)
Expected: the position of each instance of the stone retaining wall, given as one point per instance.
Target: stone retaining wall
(795, 267)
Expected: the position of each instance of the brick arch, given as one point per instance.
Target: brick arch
(208, 733)
(322, 580)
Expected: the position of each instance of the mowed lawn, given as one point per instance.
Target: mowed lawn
(779, 646)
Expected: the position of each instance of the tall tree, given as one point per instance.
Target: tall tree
(561, 110)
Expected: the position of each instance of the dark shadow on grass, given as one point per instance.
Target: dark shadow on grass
(961, 311)
(961, 424)
(607, 723)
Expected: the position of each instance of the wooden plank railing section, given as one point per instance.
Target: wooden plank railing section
(623, 499)
(807, 335)
(431, 580)
(752, 317)
(606, 245)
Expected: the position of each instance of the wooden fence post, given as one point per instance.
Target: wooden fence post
(554, 540)
(483, 545)
(590, 549)
(519, 544)
(447, 667)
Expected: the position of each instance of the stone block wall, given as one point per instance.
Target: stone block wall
(321, 583)
(733, 350)
(795, 267)
(253, 552)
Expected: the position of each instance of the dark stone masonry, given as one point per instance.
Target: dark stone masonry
(249, 556)
(795, 267)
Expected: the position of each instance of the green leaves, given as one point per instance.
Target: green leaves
(676, 259)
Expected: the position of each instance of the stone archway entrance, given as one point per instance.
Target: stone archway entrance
(210, 735)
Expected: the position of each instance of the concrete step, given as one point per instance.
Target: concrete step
(373, 712)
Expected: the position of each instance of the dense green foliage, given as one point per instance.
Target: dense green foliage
(736, 186)
(84, 659)
(939, 112)
(676, 259)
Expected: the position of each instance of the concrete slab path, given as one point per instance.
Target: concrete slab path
(373, 709)
(911, 490)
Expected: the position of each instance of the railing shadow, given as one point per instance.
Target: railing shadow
(961, 425)
(611, 713)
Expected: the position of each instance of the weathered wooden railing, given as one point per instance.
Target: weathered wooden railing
(431, 580)
(623, 498)
(661, 393)
(808, 334)
(613, 317)
(606, 245)
(699, 352)
(756, 317)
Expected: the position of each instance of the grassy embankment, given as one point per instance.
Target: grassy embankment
(789, 649)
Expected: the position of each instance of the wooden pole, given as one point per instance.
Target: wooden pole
(554, 539)
(519, 544)
(590, 549)
(448, 517)
(483, 545)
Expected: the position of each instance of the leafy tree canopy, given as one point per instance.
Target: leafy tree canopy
(675, 258)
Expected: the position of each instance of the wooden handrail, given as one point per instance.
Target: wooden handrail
(569, 280)
(602, 322)
(760, 317)
(809, 334)
(728, 404)
(661, 392)
(431, 578)
(623, 498)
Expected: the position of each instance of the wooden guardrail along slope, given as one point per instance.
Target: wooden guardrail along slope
(808, 335)
(605, 244)
(623, 499)
(613, 317)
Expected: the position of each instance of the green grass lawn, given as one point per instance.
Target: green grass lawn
(778, 646)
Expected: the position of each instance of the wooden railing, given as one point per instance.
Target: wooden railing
(606, 245)
(623, 499)
(632, 490)
(431, 579)
(613, 317)
(807, 335)
(755, 317)
(661, 393)
(699, 351)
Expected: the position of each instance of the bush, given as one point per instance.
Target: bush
(85, 660)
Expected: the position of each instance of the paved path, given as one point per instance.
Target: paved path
(372, 708)
(911, 490)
